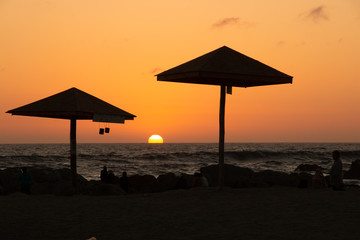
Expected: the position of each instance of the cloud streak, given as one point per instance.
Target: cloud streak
(155, 70)
(231, 21)
(317, 14)
(281, 43)
(226, 22)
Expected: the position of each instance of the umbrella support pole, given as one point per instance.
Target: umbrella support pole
(222, 135)
(73, 151)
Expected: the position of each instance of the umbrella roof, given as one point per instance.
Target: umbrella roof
(225, 66)
(71, 104)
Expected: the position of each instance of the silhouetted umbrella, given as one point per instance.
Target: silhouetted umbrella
(74, 104)
(227, 68)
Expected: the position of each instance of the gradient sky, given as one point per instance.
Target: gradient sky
(112, 49)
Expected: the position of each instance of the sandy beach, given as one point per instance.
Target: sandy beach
(253, 213)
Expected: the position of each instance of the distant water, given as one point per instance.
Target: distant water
(156, 159)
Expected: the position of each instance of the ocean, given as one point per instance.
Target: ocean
(156, 159)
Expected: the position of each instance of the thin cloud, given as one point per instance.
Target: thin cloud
(317, 14)
(280, 43)
(155, 70)
(226, 21)
(231, 21)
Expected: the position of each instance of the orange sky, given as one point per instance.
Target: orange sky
(112, 49)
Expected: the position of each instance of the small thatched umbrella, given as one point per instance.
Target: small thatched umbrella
(227, 68)
(74, 104)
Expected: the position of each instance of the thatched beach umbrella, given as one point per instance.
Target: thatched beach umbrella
(74, 104)
(227, 68)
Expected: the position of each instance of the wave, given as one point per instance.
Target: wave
(296, 155)
(236, 155)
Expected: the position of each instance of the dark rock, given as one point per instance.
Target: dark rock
(233, 176)
(143, 184)
(304, 180)
(9, 179)
(47, 175)
(64, 188)
(167, 181)
(65, 175)
(307, 168)
(354, 171)
(279, 178)
(97, 188)
(42, 188)
(186, 181)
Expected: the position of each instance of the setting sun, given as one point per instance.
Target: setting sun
(155, 139)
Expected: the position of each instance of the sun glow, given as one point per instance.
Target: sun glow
(155, 139)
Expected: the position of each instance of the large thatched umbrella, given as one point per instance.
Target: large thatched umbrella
(74, 104)
(227, 68)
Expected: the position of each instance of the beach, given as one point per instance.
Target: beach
(198, 213)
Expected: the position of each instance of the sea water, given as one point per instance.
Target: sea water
(156, 159)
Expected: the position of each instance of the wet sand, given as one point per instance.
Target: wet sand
(256, 213)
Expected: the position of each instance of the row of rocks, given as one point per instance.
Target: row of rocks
(352, 173)
(58, 181)
(239, 177)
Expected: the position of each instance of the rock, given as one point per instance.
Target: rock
(354, 171)
(304, 180)
(143, 184)
(167, 181)
(64, 188)
(97, 188)
(42, 188)
(65, 175)
(186, 181)
(233, 176)
(41, 175)
(307, 168)
(9, 179)
(279, 178)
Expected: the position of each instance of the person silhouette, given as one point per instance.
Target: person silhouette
(336, 172)
(25, 181)
(111, 177)
(124, 182)
(104, 174)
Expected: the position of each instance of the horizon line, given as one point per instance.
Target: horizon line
(329, 142)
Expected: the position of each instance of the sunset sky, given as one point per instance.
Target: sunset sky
(112, 49)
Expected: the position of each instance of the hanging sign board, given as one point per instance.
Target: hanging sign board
(229, 90)
(108, 118)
